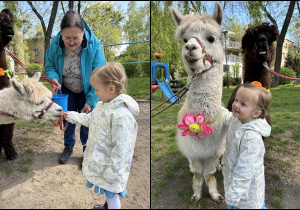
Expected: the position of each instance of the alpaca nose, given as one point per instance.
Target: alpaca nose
(191, 46)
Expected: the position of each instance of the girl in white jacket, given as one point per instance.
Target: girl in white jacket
(243, 161)
(112, 134)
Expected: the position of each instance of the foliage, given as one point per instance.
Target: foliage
(296, 66)
(289, 60)
(256, 15)
(104, 19)
(137, 28)
(162, 36)
(233, 24)
(286, 72)
(35, 67)
(236, 69)
(230, 80)
(183, 81)
(293, 63)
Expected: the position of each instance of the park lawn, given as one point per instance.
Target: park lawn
(167, 163)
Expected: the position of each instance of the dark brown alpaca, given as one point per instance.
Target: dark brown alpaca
(6, 33)
(258, 47)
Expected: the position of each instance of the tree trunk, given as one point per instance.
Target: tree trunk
(50, 28)
(71, 5)
(285, 26)
(78, 10)
(47, 31)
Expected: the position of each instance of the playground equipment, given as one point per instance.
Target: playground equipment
(107, 45)
(167, 91)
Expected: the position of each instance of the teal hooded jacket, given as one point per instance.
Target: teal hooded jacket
(92, 57)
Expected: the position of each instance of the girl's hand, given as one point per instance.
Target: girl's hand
(65, 114)
(86, 109)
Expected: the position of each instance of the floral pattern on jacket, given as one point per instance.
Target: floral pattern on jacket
(111, 141)
(243, 162)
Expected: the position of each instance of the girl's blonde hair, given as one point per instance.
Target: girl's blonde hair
(112, 73)
(264, 99)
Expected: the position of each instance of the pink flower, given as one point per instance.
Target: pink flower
(194, 126)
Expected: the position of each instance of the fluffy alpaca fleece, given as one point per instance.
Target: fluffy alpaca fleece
(26, 99)
(203, 97)
(258, 47)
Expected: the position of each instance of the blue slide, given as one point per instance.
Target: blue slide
(166, 90)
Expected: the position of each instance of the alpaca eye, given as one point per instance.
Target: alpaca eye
(185, 40)
(40, 103)
(211, 39)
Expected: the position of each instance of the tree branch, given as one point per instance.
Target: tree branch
(287, 20)
(39, 16)
(270, 17)
(62, 6)
(298, 7)
(78, 10)
(52, 18)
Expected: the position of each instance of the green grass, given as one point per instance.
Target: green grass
(168, 162)
(6, 169)
(138, 88)
(276, 204)
(25, 169)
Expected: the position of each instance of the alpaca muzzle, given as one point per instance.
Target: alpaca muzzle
(206, 56)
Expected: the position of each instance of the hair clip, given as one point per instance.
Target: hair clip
(258, 84)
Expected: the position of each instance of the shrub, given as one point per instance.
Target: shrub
(131, 70)
(237, 81)
(34, 67)
(286, 72)
(230, 80)
(182, 81)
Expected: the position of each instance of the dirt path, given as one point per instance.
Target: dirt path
(47, 184)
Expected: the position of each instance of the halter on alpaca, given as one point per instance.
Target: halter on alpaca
(206, 57)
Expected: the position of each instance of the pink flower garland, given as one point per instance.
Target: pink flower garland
(194, 126)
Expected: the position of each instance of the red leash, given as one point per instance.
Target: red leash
(277, 74)
(46, 79)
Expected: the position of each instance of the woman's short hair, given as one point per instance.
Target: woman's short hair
(72, 19)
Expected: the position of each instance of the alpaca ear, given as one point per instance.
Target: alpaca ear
(177, 16)
(18, 87)
(218, 13)
(275, 33)
(36, 76)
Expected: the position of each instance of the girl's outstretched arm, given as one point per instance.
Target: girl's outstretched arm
(80, 118)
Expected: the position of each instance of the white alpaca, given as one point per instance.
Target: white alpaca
(26, 100)
(204, 95)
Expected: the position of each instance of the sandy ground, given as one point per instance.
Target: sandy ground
(49, 184)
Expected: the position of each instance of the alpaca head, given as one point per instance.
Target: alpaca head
(31, 97)
(6, 27)
(257, 43)
(201, 35)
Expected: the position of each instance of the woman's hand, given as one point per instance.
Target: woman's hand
(86, 109)
(57, 83)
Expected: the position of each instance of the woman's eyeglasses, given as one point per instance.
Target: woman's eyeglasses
(67, 40)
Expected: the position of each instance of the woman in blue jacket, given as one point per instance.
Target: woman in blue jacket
(72, 56)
